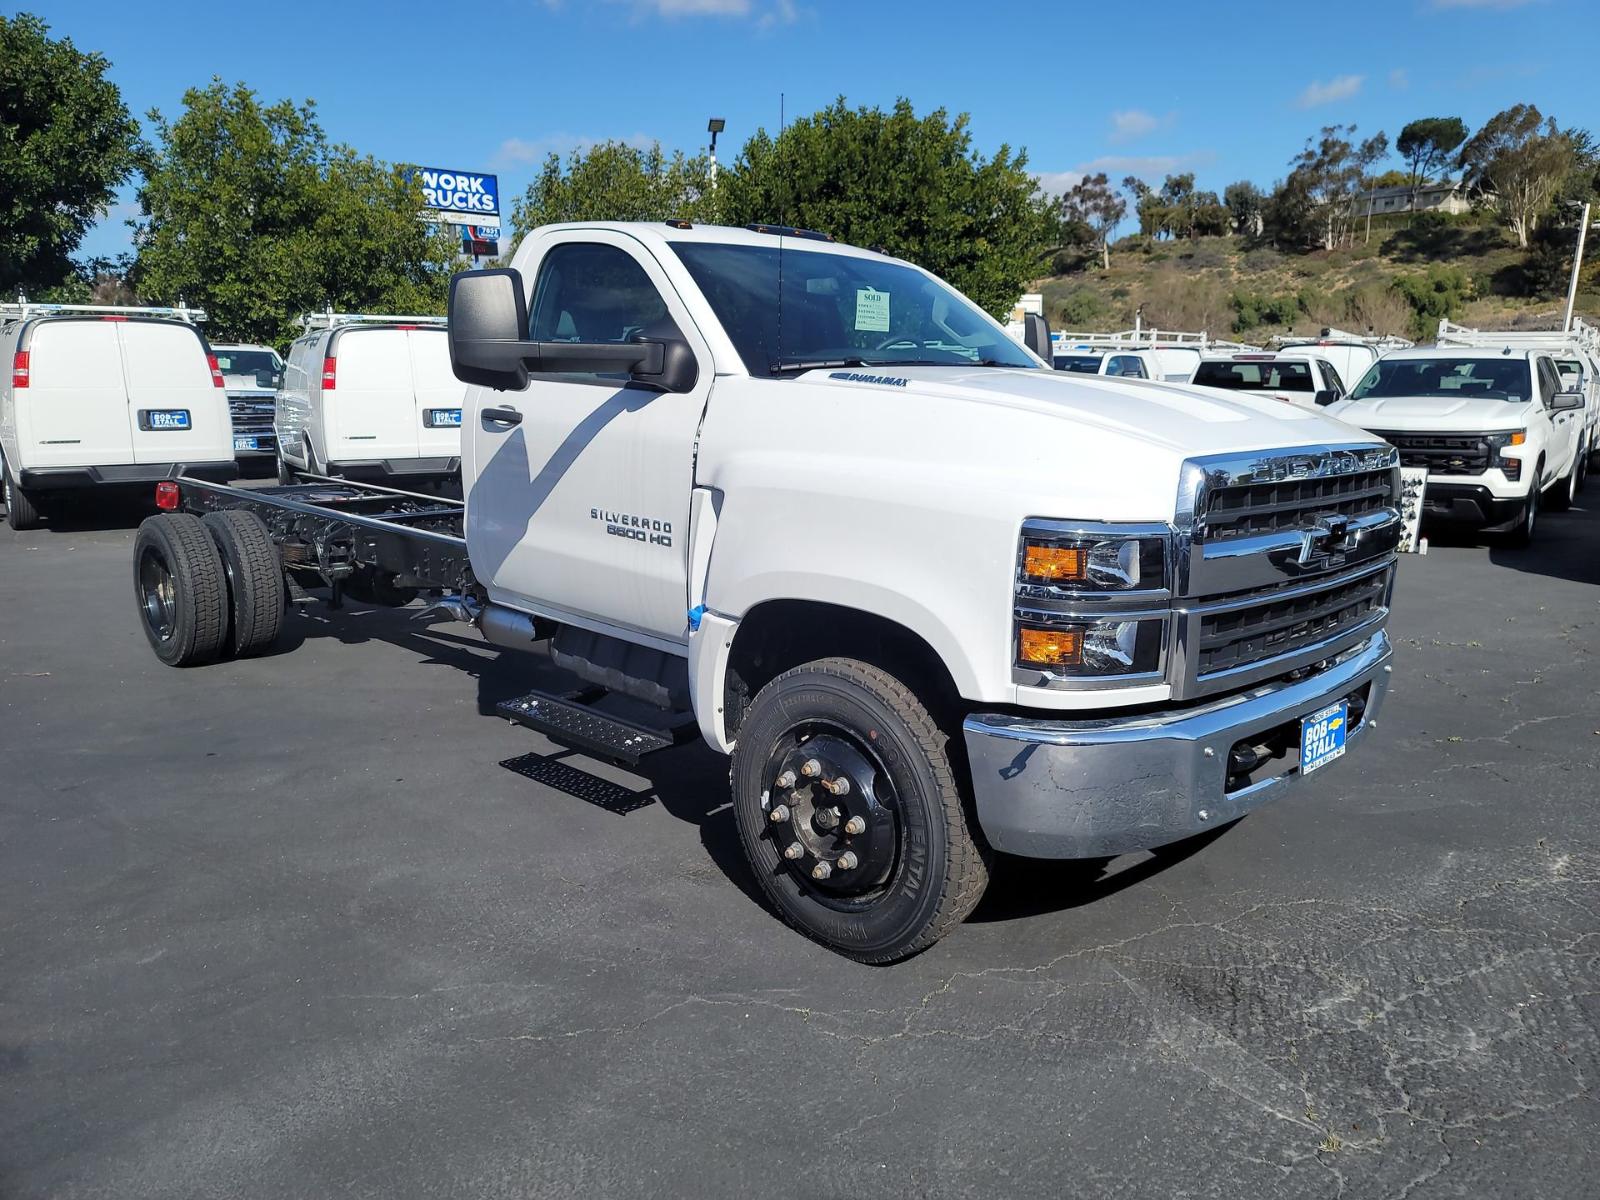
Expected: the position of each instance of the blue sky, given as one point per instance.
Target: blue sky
(1145, 89)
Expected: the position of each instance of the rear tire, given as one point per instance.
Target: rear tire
(254, 572)
(921, 863)
(179, 583)
(22, 510)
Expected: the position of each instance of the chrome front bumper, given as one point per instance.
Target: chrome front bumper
(1083, 789)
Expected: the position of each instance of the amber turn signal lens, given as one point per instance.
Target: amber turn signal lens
(1050, 647)
(1516, 439)
(1048, 563)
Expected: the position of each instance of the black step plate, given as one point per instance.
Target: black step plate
(579, 725)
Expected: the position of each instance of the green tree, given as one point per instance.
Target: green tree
(66, 142)
(1245, 205)
(1333, 170)
(1427, 144)
(251, 213)
(613, 181)
(1516, 164)
(913, 185)
(1093, 202)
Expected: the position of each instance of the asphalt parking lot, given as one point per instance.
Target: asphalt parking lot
(316, 924)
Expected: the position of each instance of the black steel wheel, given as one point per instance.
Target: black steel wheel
(850, 812)
(254, 573)
(181, 589)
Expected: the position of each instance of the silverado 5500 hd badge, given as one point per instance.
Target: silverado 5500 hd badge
(638, 529)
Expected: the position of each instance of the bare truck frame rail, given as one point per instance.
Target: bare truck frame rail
(334, 529)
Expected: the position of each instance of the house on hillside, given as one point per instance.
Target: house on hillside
(1446, 196)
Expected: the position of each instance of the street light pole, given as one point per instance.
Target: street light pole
(1577, 265)
(714, 126)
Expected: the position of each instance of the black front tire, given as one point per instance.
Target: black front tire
(940, 860)
(286, 475)
(1565, 491)
(1522, 536)
(179, 583)
(256, 594)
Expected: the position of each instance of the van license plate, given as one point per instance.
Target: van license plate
(245, 443)
(444, 418)
(163, 418)
(1322, 736)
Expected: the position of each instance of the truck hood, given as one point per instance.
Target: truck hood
(1427, 414)
(1179, 418)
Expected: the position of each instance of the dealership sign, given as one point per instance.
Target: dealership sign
(459, 197)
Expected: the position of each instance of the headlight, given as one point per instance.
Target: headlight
(1090, 561)
(1092, 649)
(1499, 443)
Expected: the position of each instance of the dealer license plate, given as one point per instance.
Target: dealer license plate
(1322, 736)
(444, 418)
(245, 443)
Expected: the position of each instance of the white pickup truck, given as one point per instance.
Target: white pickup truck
(1496, 430)
(934, 598)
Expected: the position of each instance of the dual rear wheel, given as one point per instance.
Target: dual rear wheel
(208, 588)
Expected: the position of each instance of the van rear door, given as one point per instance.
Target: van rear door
(74, 410)
(175, 412)
(372, 411)
(437, 394)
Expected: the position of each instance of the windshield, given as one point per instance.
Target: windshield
(1285, 376)
(1082, 364)
(840, 310)
(1453, 378)
(248, 362)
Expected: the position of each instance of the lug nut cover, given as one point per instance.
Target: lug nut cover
(779, 814)
(786, 780)
(847, 860)
(793, 850)
(821, 871)
(811, 767)
(855, 825)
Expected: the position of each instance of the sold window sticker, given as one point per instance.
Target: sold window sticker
(872, 310)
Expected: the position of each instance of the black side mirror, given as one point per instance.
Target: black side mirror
(1036, 335)
(1325, 397)
(488, 318)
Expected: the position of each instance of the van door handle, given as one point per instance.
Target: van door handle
(501, 416)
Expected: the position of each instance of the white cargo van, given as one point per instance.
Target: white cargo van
(370, 397)
(105, 397)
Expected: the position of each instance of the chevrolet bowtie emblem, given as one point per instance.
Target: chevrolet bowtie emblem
(1330, 535)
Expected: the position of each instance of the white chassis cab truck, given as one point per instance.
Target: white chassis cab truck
(935, 599)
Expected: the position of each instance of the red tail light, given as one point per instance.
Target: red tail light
(114, 318)
(407, 326)
(216, 371)
(167, 496)
(19, 369)
(329, 373)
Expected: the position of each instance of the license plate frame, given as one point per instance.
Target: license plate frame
(442, 418)
(1323, 736)
(165, 420)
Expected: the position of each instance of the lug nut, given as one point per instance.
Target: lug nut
(821, 871)
(779, 814)
(786, 780)
(838, 787)
(811, 767)
(847, 860)
(793, 851)
(855, 825)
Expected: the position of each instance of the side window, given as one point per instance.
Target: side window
(1332, 377)
(587, 292)
(1128, 366)
(1549, 382)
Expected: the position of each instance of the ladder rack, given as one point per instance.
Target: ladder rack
(1582, 336)
(21, 310)
(332, 320)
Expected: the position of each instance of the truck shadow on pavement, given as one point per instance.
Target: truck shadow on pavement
(690, 781)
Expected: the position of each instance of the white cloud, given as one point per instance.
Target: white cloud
(1398, 79)
(1057, 183)
(515, 151)
(1341, 87)
(1119, 165)
(1130, 124)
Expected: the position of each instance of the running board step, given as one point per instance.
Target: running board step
(571, 721)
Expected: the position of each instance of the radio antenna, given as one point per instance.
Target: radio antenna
(783, 220)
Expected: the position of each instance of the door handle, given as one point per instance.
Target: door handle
(501, 416)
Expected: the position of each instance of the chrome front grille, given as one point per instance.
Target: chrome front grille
(1285, 559)
(1442, 453)
(251, 416)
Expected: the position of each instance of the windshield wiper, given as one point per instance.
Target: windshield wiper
(814, 364)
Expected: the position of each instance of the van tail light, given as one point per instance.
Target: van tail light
(330, 373)
(114, 318)
(216, 371)
(167, 496)
(19, 369)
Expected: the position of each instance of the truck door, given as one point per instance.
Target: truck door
(176, 412)
(582, 506)
(1566, 426)
(74, 411)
